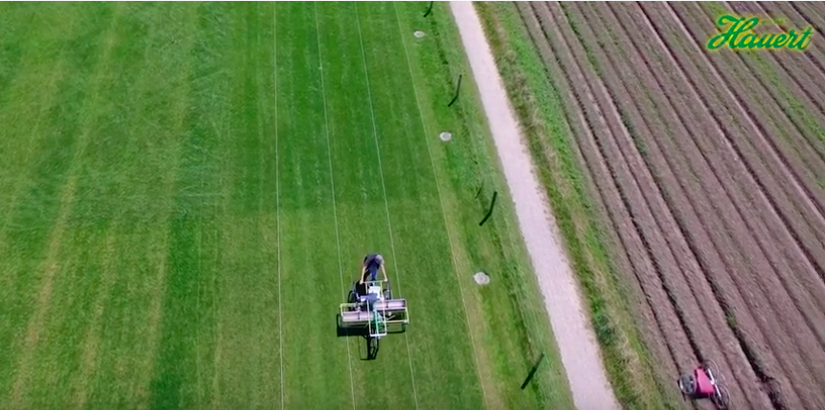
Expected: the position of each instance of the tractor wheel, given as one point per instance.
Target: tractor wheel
(351, 297)
(687, 384)
(372, 348)
(720, 398)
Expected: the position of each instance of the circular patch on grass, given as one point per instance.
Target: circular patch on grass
(418, 34)
(481, 278)
(445, 136)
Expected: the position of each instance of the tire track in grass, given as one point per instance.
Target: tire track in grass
(266, 209)
(49, 265)
(359, 200)
(92, 338)
(481, 380)
(384, 191)
(332, 185)
(28, 182)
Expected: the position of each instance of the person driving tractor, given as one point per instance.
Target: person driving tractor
(372, 263)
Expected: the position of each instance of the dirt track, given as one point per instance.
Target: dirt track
(711, 167)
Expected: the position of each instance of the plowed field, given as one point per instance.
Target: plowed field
(711, 166)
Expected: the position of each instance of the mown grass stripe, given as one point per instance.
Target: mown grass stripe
(203, 112)
(359, 199)
(421, 246)
(332, 188)
(384, 192)
(311, 285)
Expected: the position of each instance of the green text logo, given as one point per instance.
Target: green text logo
(740, 35)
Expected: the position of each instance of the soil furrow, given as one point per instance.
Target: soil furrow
(749, 100)
(751, 143)
(776, 92)
(793, 77)
(791, 17)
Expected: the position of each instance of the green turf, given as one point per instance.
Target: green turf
(188, 189)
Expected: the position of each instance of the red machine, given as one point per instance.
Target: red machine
(705, 383)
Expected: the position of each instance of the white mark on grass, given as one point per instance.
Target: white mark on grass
(384, 190)
(445, 136)
(481, 278)
(418, 34)
(332, 184)
(443, 213)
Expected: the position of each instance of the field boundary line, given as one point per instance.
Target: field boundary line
(332, 184)
(277, 199)
(441, 204)
(384, 190)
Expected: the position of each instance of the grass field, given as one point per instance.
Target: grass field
(188, 190)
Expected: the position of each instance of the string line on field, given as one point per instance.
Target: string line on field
(278, 200)
(332, 184)
(384, 190)
(441, 204)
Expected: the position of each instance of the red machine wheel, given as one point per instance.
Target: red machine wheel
(720, 398)
(687, 384)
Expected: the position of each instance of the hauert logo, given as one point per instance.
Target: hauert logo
(740, 35)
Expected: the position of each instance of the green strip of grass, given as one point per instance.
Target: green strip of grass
(540, 109)
(171, 237)
(507, 318)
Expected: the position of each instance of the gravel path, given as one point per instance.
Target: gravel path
(576, 341)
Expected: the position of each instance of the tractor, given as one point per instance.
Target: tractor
(371, 309)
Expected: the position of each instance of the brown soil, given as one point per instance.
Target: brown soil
(711, 167)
